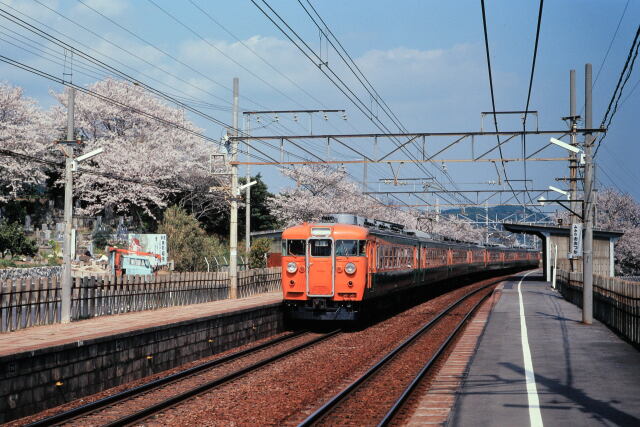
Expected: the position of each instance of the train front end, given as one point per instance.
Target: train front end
(324, 271)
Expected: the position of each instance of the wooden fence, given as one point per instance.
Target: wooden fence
(616, 302)
(36, 301)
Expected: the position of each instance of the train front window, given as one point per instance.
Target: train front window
(320, 247)
(346, 248)
(351, 247)
(294, 247)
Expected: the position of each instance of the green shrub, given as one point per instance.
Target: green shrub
(259, 249)
(13, 241)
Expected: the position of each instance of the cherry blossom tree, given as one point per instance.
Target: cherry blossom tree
(146, 164)
(321, 190)
(26, 130)
(617, 211)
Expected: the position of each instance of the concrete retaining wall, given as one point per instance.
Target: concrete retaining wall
(28, 380)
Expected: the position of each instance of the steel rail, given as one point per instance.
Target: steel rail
(172, 401)
(427, 367)
(332, 403)
(127, 394)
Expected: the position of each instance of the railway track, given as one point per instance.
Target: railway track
(367, 388)
(148, 406)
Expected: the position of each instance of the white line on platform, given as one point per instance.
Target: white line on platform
(532, 392)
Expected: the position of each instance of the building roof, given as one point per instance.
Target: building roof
(557, 230)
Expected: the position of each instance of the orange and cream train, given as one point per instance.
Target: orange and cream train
(334, 269)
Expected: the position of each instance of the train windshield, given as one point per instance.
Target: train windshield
(351, 247)
(320, 247)
(293, 247)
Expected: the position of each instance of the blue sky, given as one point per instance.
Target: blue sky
(425, 58)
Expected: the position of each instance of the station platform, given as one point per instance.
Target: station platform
(45, 366)
(537, 364)
(40, 337)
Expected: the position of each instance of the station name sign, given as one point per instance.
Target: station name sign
(575, 245)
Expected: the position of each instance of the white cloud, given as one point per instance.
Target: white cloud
(110, 8)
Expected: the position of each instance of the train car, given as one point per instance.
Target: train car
(332, 270)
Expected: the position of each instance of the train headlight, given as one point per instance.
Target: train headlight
(350, 268)
(292, 267)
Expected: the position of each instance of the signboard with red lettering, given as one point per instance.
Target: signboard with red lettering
(151, 243)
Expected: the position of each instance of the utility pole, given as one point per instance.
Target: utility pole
(573, 163)
(68, 211)
(247, 217)
(233, 227)
(486, 222)
(587, 213)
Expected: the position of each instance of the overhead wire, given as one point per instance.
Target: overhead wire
(493, 100)
(61, 81)
(111, 58)
(135, 81)
(162, 51)
(360, 76)
(615, 33)
(110, 175)
(333, 78)
(84, 56)
(179, 60)
(526, 109)
(265, 61)
(612, 108)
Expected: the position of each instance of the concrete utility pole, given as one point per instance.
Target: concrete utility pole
(233, 227)
(573, 163)
(587, 254)
(486, 222)
(247, 215)
(68, 211)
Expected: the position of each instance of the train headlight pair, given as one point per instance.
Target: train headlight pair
(350, 268)
(292, 267)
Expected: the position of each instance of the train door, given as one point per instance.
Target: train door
(320, 267)
(371, 262)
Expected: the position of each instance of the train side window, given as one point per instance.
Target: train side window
(295, 247)
(320, 247)
(346, 248)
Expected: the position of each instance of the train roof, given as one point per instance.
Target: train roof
(346, 225)
(338, 231)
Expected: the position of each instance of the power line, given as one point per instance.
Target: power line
(633, 89)
(135, 81)
(353, 67)
(615, 33)
(360, 76)
(194, 32)
(333, 78)
(41, 73)
(162, 51)
(215, 21)
(493, 99)
(110, 175)
(617, 93)
(114, 59)
(526, 109)
(79, 25)
(118, 103)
